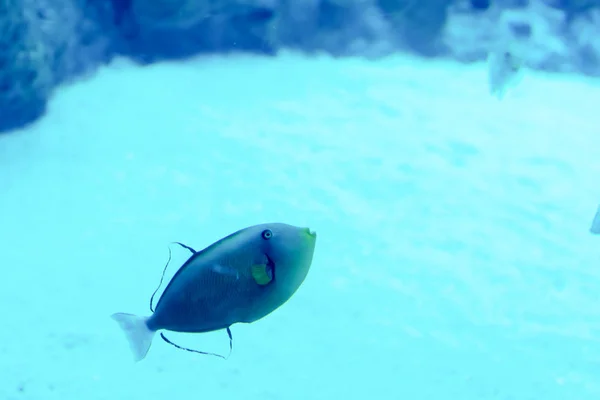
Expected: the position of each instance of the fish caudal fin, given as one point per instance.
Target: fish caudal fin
(138, 334)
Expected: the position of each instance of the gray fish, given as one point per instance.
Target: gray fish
(595, 227)
(505, 70)
(238, 279)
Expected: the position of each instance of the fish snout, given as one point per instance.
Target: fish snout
(310, 234)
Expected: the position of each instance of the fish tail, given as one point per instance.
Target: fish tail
(138, 334)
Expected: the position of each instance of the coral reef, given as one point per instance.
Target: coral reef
(46, 42)
(552, 36)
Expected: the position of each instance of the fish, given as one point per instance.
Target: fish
(241, 278)
(595, 227)
(505, 69)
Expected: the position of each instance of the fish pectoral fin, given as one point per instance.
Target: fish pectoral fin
(262, 274)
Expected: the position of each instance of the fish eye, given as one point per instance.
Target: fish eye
(267, 234)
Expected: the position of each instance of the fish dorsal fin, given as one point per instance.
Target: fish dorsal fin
(186, 247)
(262, 273)
(162, 277)
(165, 270)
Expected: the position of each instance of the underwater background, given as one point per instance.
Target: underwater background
(453, 261)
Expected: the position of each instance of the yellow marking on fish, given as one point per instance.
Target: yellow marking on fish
(260, 274)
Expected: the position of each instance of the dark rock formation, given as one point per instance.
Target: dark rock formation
(25, 70)
(418, 24)
(337, 27)
(574, 8)
(44, 43)
(76, 32)
(170, 29)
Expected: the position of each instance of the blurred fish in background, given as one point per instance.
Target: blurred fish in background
(504, 70)
(595, 228)
(505, 61)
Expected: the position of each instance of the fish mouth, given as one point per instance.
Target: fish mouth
(312, 234)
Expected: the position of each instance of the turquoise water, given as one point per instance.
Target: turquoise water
(453, 260)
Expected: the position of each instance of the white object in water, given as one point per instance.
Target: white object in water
(595, 228)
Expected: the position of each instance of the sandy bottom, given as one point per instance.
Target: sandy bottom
(453, 261)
